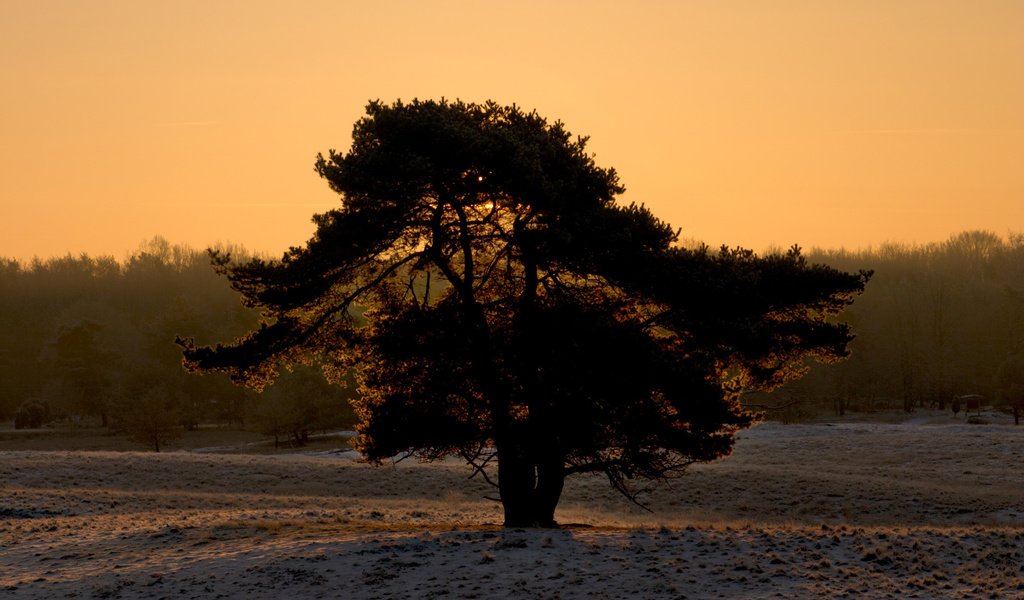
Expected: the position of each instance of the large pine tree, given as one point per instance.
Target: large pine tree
(496, 303)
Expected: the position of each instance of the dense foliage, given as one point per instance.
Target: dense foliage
(515, 313)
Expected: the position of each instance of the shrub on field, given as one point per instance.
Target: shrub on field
(31, 414)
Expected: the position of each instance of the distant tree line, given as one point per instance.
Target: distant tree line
(937, 321)
(89, 341)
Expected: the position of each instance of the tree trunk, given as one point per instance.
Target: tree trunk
(530, 489)
(550, 481)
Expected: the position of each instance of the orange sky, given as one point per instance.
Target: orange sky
(819, 122)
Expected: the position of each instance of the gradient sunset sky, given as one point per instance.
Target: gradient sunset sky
(748, 122)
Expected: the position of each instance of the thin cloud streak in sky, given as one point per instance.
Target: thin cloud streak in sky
(319, 204)
(187, 124)
(961, 131)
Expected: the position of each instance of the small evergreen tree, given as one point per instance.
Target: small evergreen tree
(149, 412)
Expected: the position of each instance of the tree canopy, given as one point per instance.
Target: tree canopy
(495, 302)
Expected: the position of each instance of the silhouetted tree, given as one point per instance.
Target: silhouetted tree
(149, 411)
(516, 314)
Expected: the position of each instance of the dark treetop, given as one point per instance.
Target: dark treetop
(496, 303)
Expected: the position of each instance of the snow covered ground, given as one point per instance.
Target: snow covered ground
(930, 508)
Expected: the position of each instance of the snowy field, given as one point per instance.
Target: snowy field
(927, 508)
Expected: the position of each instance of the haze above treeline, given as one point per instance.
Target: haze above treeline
(28, 261)
(87, 339)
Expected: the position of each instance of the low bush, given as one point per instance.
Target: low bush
(31, 414)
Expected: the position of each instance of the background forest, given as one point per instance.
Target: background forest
(90, 341)
(935, 321)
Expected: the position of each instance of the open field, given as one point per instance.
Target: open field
(927, 508)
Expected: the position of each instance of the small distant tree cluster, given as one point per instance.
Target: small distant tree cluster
(519, 317)
(300, 403)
